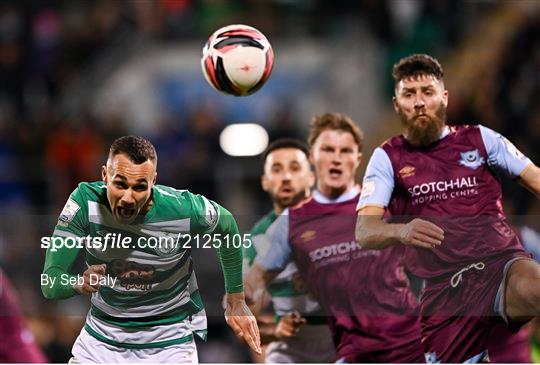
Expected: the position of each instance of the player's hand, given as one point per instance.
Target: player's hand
(242, 321)
(289, 325)
(421, 233)
(92, 277)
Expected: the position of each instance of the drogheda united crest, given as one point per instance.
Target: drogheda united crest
(471, 159)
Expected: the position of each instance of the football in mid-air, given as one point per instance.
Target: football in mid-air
(237, 60)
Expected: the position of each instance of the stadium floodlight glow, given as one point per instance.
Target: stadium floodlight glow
(245, 139)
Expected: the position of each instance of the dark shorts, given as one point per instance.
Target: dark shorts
(355, 347)
(460, 311)
(409, 354)
(507, 347)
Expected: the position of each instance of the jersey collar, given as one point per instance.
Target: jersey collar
(348, 195)
(445, 132)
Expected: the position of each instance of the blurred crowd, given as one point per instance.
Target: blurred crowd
(49, 142)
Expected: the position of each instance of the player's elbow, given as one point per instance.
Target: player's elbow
(365, 242)
(362, 236)
(47, 292)
(368, 232)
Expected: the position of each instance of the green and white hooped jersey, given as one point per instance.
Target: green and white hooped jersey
(155, 301)
(287, 290)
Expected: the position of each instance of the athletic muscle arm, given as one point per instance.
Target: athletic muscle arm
(257, 279)
(530, 179)
(58, 262)
(373, 232)
(229, 256)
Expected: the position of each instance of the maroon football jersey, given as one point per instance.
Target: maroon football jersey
(16, 341)
(451, 185)
(365, 292)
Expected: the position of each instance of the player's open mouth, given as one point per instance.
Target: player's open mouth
(125, 212)
(335, 173)
(285, 191)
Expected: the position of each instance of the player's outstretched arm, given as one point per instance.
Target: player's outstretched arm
(530, 179)
(289, 325)
(241, 320)
(256, 280)
(56, 281)
(237, 314)
(373, 232)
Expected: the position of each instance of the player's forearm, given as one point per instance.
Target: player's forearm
(530, 179)
(373, 232)
(56, 281)
(257, 279)
(57, 285)
(229, 256)
(266, 329)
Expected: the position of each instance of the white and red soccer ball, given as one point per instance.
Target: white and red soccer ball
(237, 60)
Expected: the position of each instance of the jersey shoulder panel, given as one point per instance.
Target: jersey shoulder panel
(262, 224)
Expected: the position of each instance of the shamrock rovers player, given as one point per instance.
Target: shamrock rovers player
(145, 301)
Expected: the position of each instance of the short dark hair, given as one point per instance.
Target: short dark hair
(335, 121)
(136, 148)
(285, 143)
(417, 65)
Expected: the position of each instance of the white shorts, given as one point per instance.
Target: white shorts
(312, 343)
(88, 349)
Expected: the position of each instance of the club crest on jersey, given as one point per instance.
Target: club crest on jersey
(431, 358)
(471, 159)
(169, 244)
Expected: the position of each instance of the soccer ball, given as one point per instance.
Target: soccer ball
(237, 60)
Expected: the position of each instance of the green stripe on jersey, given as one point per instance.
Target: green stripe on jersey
(149, 345)
(283, 289)
(195, 305)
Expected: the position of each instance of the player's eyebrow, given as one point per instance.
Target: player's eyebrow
(123, 178)
(408, 89)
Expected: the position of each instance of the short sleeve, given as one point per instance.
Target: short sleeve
(73, 220)
(273, 249)
(503, 156)
(206, 214)
(378, 183)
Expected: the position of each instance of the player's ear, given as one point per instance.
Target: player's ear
(155, 179)
(104, 173)
(264, 183)
(312, 179)
(395, 104)
(359, 158)
(445, 98)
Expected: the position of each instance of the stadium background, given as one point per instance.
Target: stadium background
(74, 75)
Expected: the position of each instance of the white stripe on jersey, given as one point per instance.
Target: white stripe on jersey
(58, 232)
(149, 335)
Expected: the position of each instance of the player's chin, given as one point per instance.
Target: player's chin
(336, 181)
(285, 201)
